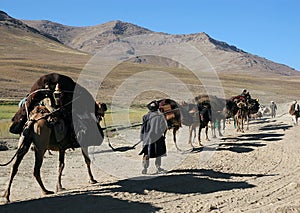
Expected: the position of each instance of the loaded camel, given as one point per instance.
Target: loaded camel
(205, 109)
(195, 116)
(190, 115)
(38, 131)
(43, 112)
(245, 108)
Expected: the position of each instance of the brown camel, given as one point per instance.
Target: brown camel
(241, 116)
(192, 118)
(242, 111)
(170, 108)
(38, 131)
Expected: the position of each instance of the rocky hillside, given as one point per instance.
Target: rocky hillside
(7, 21)
(26, 54)
(224, 58)
(88, 39)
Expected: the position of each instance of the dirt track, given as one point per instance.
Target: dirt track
(255, 171)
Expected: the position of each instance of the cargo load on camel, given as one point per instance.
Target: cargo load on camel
(60, 98)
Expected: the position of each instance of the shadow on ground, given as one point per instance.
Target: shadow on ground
(86, 201)
(182, 182)
(185, 182)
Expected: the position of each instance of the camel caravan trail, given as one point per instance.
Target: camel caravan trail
(245, 162)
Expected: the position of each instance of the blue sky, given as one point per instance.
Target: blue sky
(268, 28)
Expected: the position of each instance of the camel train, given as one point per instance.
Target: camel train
(48, 120)
(207, 110)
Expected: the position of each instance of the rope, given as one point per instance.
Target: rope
(109, 144)
(5, 164)
(17, 152)
(135, 125)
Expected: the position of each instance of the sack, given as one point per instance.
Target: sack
(168, 112)
(60, 130)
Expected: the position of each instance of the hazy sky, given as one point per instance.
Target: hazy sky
(268, 28)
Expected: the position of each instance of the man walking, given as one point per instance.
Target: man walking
(294, 111)
(273, 108)
(152, 135)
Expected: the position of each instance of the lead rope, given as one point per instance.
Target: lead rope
(106, 134)
(26, 109)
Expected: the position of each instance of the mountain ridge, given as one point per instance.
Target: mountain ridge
(91, 39)
(224, 57)
(26, 53)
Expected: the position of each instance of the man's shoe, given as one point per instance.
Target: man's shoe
(161, 171)
(144, 171)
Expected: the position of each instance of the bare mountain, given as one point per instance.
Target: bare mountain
(224, 58)
(88, 39)
(26, 54)
(6, 20)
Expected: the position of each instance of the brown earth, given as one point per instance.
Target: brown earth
(255, 171)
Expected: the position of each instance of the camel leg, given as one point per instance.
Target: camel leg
(224, 124)
(213, 129)
(37, 171)
(195, 133)
(174, 137)
(242, 125)
(219, 129)
(199, 136)
(84, 151)
(206, 133)
(237, 122)
(61, 166)
(21, 153)
(191, 131)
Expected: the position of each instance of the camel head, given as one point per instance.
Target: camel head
(101, 108)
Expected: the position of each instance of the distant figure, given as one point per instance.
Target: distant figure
(152, 135)
(294, 111)
(273, 108)
(246, 94)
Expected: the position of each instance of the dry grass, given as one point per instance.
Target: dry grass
(24, 57)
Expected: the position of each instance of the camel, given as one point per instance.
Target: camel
(190, 118)
(241, 115)
(171, 111)
(195, 116)
(39, 132)
(218, 108)
(245, 108)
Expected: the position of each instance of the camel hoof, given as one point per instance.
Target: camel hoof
(4, 199)
(48, 192)
(93, 181)
(59, 189)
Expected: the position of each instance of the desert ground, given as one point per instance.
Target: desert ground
(254, 171)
